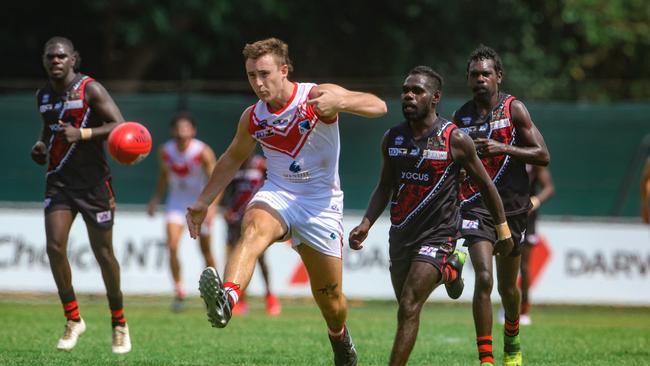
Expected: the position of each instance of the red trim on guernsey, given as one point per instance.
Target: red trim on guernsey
(507, 106)
(251, 124)
(293, 95)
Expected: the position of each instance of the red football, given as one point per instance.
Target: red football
(129, 143)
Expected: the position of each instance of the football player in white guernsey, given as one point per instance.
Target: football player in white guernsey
(297, 126)
(185, 164)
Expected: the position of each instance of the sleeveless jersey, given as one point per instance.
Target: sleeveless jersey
(82, 164)
(424, 205)
(508, 174)
(245, 184)
(302, 150)
(186, 176)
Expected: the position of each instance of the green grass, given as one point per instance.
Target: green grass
(559, 335)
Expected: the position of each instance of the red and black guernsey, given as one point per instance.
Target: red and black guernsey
(508, 174)
(424, 206)
(79, 165)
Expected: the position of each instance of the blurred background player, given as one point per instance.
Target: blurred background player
(78, 114)
(421, 160)
(301, 199)
(506, 139)
(645, 193)
(541, 189)
(185, 163)
(237, 195)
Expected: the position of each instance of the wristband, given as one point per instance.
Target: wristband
(535, 201)
(503, 231)
(86, 133)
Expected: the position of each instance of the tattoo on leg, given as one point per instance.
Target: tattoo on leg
(328, 290)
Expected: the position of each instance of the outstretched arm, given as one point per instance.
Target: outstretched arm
(531, 148)
(378, 201)
(224, 170)
(464, 153)
(330, 99)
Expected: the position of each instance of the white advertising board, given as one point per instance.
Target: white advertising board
(579, 262)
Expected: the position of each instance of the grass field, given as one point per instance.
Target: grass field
(559, 335)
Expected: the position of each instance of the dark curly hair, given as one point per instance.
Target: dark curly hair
(484, 52)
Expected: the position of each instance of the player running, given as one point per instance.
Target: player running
(78, 114)
(421, 160)
(185, 165)
(506, 139)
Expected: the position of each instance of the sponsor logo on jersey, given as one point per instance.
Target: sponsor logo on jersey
(415, 152)
(104, 216)
(44, 108)
(304, 127)
(76, 94)
(502, 123)
(470, 224)
(74, 104)
(46, 98)
(58, 105)
(280, 122)
(295, 167)
(416, 176)
(394, 151)
(466, 120)
(399, 140)
(436, 143)
(434, 155)
(267, 132)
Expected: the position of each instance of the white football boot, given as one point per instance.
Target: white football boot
(71, 334)
(121, 339)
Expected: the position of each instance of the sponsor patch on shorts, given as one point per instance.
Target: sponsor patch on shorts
(429, 251)
(104, 216)
(470, 224)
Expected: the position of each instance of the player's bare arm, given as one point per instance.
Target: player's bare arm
(330, 99)
(531, 148)
(225, 169)
(39, 149)
(464, 153)
(208, 162)
(161, 184)
(378, 201)
(102, 105)
(547, 188)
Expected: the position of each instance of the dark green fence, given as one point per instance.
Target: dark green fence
(592, 147)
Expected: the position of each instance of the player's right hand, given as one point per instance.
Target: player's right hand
(39, 153)
(151, 207)
(359, 234)
(195, 216)
(504, 247)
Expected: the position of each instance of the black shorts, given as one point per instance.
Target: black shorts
(476, 226)
(96, 205)
(435, 254)
(234, 232)
(531, 229)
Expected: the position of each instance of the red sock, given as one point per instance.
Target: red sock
(511, 328)
(117, 317)
(71, 310)
(234, 292)
(449, 273)
(336, 335)
(484, 344)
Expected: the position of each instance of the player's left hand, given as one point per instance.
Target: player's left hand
(326, 103)
(489, 147)
(69, 133)
(195, 216)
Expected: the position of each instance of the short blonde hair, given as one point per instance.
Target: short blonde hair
(272, 46)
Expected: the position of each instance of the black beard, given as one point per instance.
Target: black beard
(416, 114)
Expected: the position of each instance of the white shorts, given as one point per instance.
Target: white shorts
(175, 212)
(314, 222)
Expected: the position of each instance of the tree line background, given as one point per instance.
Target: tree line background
(594, 50)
